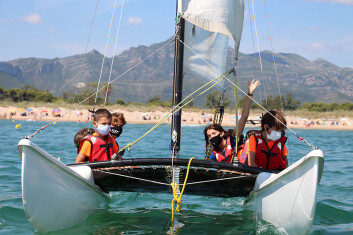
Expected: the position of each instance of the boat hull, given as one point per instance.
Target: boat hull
(54, 195)
(288, 199)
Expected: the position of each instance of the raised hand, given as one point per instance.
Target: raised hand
(252, 86)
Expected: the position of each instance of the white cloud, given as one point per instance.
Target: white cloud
(316, 47)
(32, 18)
(4, 21)
(134, 21)
(344, 2)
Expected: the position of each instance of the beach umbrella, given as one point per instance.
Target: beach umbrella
(234, 117)
(56, 110)
(11, 110)
(44, 111)
(28, 109)
(21, 109)
(344, 119)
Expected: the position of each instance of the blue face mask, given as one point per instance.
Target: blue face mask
(103, 129)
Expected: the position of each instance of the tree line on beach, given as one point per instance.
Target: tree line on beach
(31, 94)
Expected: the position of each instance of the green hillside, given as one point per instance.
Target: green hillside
(308, 81)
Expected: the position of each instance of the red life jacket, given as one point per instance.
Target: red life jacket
(242, 152)
(270, 158)
(101, 150)
(228, 153)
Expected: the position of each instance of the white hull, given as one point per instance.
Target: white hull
(288, 199)
(54, 195)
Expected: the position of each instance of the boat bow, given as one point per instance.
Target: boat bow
(54, 195)
(288, 199)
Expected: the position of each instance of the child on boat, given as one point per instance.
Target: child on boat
(118, 121)
(81, 134)
(224, 141)
(267, 147)
(101, 145)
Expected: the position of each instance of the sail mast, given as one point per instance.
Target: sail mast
(177, 84)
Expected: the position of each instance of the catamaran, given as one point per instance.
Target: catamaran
(286, 199)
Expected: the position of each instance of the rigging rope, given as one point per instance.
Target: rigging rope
(105, 53)
(177, 107)
(235, 80)
(167, 184)
(121, 75)
(258, 48)
(252, 38)
(273, 56)
(66, 127)
(299, 137)
(116, 41)
(90, 31)
(177, 199)
(132, 177)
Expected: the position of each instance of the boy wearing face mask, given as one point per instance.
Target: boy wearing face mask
(101, 145)
(118, 121)
(267, 148)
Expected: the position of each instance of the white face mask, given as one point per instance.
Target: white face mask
(103, 129)
(275, 135)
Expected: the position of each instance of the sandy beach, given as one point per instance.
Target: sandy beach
(138, 117)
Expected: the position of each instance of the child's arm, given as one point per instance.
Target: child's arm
(81, 158)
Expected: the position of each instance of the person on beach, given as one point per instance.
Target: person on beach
(99, 146)
(267, 147)
(224, 142)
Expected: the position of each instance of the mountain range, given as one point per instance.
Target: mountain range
(308, 81)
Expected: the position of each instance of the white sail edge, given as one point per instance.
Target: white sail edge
(208, 27)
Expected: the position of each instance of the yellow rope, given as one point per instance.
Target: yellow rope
(177, 199)
(176, 108)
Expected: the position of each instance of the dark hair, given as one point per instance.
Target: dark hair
(81, 134)
(216, 127)
(116, 117)
(274, 119)
(250, 133)
(102, 113)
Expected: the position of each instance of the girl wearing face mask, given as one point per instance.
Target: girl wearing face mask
(267, 148)
(224, 141)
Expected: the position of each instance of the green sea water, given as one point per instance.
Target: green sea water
(145, 213)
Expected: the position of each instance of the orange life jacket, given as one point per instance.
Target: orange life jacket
(228, 153)
(270, 158)
(101, 150)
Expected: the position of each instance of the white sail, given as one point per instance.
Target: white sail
(208, 27)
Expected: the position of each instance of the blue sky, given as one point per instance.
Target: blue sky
(60, 28)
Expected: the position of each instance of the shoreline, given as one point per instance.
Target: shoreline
(190, 118)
